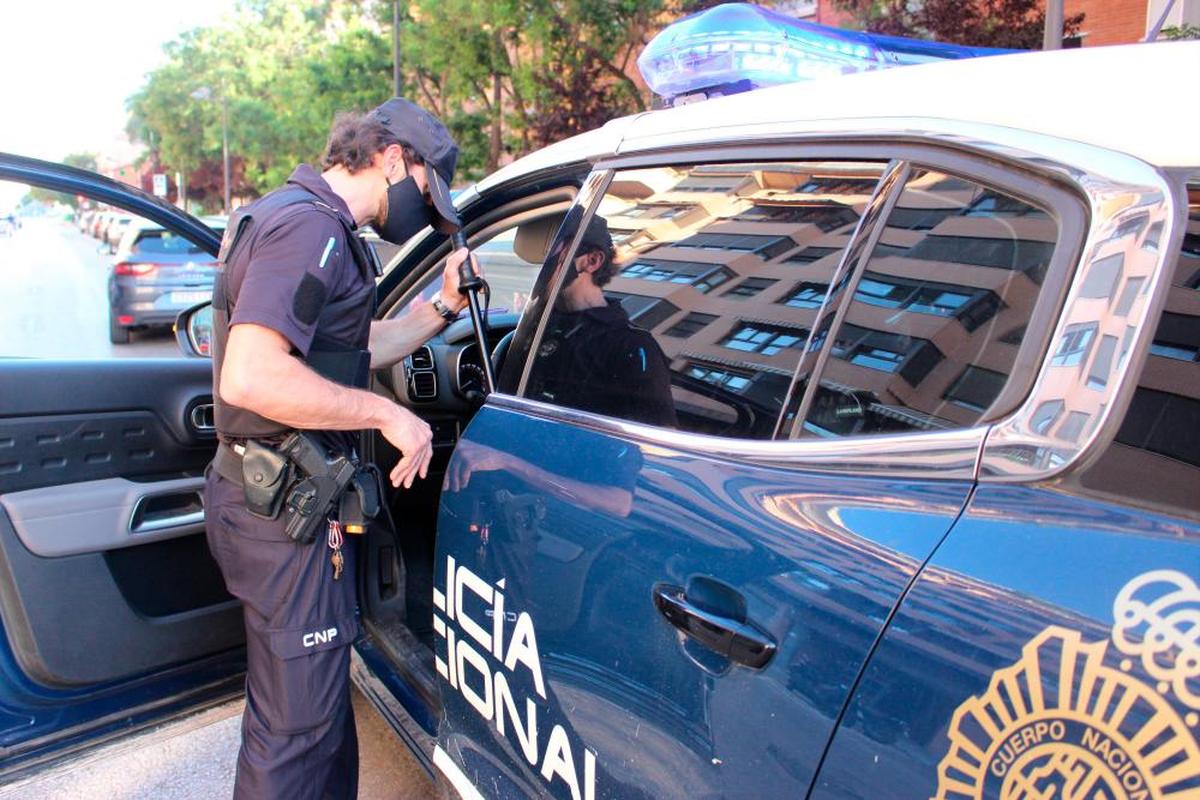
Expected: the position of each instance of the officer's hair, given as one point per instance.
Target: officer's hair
(356, 138)
(608, 269)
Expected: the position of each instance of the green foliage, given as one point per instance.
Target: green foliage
(1179, 32)
(507, 76)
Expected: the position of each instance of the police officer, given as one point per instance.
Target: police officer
(592, 356)
(294, 339)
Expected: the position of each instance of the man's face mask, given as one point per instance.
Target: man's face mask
(406, 212)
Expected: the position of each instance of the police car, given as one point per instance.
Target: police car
(927, 523)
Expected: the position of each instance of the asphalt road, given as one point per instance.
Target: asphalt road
(196, 758)
(55, 298)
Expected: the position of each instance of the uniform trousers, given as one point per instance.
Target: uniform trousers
(298, 734)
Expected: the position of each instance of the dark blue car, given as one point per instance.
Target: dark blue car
(890, 490)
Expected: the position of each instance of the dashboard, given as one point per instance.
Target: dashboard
(446, 374)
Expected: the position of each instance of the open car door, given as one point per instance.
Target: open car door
(113, 612)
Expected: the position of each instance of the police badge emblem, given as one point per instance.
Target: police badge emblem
(1065, 722)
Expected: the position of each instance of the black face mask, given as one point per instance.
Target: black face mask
(406, 212)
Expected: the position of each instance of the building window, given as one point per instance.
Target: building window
(976, 388)
(719, 376)
(1177, 337)
(826, 218)
(654, 314)
(704, 277)
(710, 183)
(919, 219)
(1021, 255)
(749, 287)
(971, 306)
(711, 280)
(838, 185)
(910, 357)
(655, 211)
(994, 204)
(690, 325)
(806, 295)
(810, 254)
(762, 338)
(1074, 345)
(650, 272)
(1046, 415)
(765, 247)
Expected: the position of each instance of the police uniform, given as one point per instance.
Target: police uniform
(289, 264)
(597, 360)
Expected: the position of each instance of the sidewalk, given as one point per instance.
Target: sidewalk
(196, 757)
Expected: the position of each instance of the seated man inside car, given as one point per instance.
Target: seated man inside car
(592, 357)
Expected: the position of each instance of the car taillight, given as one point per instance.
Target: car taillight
(126, 268)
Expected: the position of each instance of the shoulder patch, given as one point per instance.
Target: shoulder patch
(309, 299)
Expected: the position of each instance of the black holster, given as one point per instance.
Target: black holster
(266, 476)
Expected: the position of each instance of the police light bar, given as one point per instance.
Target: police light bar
(739, 46)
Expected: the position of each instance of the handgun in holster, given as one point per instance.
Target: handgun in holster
(323, 480)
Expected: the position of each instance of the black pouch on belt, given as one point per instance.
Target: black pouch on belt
(266, 474)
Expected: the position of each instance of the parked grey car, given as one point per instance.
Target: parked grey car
(155, 275)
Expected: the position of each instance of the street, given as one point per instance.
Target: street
(197, 757)
(55, 302)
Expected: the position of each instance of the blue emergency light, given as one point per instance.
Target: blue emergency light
(739, 46)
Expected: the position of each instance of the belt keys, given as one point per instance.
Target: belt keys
(335, 540)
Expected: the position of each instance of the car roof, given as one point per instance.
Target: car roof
(1126, 98)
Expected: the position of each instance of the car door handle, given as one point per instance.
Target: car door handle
(737, 640)
(163, 512)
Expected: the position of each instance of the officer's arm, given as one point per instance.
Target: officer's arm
(260, 374)
(393, 339)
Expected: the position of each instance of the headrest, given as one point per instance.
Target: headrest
(534, 238)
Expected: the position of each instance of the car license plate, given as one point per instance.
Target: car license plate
(190, 297)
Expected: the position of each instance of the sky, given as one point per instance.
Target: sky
(67, 67)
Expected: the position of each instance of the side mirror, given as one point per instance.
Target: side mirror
(194, 330)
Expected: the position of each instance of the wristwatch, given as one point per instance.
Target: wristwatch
(443, 310)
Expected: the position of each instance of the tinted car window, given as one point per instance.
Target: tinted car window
(717, 275)
(164, 242)
(935, 323)
(1155, 457)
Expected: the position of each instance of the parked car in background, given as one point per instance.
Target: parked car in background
(155, 275)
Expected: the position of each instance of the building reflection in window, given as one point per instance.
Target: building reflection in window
(937, 318)
(741, 255)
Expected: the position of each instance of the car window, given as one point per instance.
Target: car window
(1155, 457)
(160, 241)
(89, 281)
(930, 336)
(717, 274)
(509, 270)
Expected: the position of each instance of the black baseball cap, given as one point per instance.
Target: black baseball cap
(427, 136)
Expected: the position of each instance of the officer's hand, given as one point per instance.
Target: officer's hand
(469, 458)
(412, 437)
(450, 294)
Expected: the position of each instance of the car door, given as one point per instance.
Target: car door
(114, 613)
(633, 609)
(1050, 647)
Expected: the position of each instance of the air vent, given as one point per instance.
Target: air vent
(422, 358)
(423, 386)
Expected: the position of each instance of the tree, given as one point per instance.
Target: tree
(49, 196)
(509, 76)
(1016, 24)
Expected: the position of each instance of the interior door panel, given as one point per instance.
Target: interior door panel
(104, 514)
(101, 535)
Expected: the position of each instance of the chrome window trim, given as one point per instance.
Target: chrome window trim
(942, 454)
(1116, 189)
